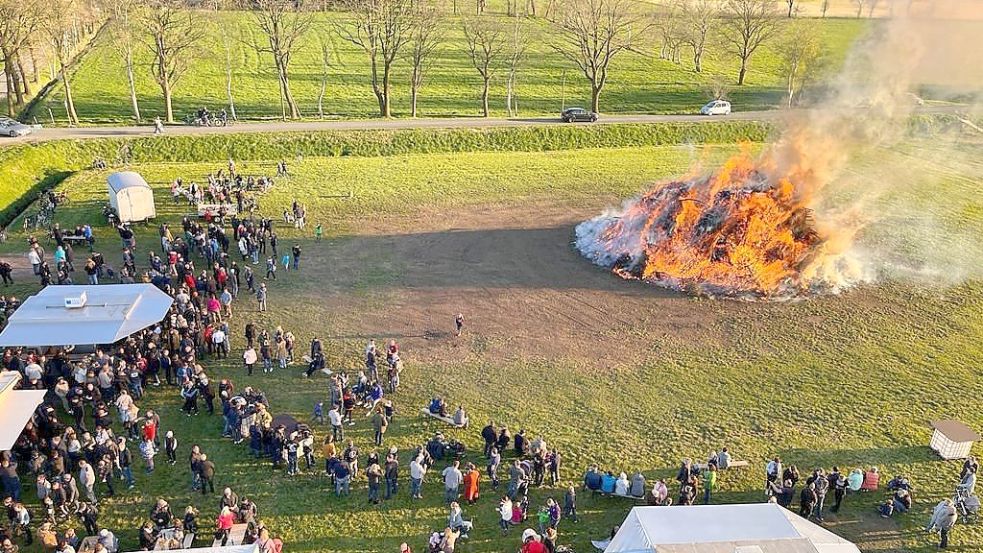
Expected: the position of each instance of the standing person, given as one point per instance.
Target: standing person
(807, 501)
(224, 525)
(207, 475)
(570, 503)
(391, 471)
(489, 434)
(821, 484)
(318, 231)
(334, 417)
(709, 482)
(170, 447)
(459, 324)
(471, 484)
(125, 460)
(271, 268)
(261, 296)
(944, 517)
(296, 253)
(417, 471)
(380, 423)
(505, 514)
(148, 450)
(249, 359)
(452, 481)
(838, 484)
(494, 462)
(87, 477)
(374, 475)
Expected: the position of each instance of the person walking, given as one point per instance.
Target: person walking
(373, 473)
(87, 477)
(459, 324)
(296, 255)
(838, 483)
(207, 472)
(391, 472)
(709, 482)
(944, 518)
(224, 525)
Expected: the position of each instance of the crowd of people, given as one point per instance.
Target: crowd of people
(91, 435)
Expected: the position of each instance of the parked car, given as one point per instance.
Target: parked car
(716, 107)
(570, 115)
(9, 127)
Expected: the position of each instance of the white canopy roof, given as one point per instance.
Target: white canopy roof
(111, 313)
(126, 179)
(758, 527)
(16, 408)
(251, 548)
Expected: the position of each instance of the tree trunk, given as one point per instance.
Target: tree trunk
(34, 64)
(165, 87)
(375, 88)
(386, 107)
(132, 82)
(320, 97)
(698, 61)
(228, 86)
(15, 78)
(10, 86)
(508, 95)
(413, 91)
(743, 72)
(285, 86)
(484, 97)
(23, 77)
(73, 117)
(791, 6)
(595, 98)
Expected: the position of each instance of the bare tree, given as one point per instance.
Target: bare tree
(171, 33)
(58, 25)
(824, 8)
(699, 17)
(381, 28)
(284, 22)
(18, 21)
(800, 54)
(872, 6)
(860, 7)
(591, 33)
(122, 13)
(329, 58)
(426, 35)
(669, 21)
(518, 44)
(791, 8)
(747, 25)
(485, 40)
(230, 41)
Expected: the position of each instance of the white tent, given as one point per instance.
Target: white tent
(739, 528)
(103, 314)
(251, 548)
(16, 408)
(131, 197)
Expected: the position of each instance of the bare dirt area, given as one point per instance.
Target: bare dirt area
(512, 272)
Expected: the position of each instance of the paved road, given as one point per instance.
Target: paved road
(57, 133)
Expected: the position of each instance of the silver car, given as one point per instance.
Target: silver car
(9, 127)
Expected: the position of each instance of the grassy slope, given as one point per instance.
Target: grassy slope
(638, 83)
(850, 380)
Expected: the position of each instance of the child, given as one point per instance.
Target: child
(170, 447)
(148, 450)
(317, 232)
(286, 262)
(319, 412)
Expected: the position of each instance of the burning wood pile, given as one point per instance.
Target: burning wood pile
(740, 232)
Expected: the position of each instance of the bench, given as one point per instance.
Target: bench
(447, 420)
(732, 465)
(622, 496)
(236, 535)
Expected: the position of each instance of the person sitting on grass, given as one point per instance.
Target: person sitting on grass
(456, 522)
(871, 480)
(856, 480)
(438, 407)
(461, 417)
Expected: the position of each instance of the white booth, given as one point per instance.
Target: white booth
(131, 197)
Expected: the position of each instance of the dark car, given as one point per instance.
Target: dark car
(570, 115)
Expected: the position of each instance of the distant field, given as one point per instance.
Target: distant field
(639, 83)
(608, 371)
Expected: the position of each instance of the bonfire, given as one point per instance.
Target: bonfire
(743, 231)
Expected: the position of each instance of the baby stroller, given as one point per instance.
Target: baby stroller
(967, 505)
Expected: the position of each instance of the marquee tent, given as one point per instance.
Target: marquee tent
(85, 315)
(739, 528)
(16, 408)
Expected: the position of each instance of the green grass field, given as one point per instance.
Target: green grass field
(639, 82)
(850, 380)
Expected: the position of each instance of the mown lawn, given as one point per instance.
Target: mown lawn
(849, 380)
(638, 83)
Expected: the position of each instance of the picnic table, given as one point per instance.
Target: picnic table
(214, 209)
(236, 535)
